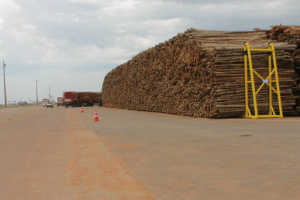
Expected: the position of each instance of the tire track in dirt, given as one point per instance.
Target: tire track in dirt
(51, 154)
(95, 172)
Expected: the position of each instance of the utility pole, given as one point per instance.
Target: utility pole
(37, 99)
(5, 99)
(49, 93)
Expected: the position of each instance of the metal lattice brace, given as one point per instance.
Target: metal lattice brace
(268, 81)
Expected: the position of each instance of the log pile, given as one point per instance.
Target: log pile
(290, 34)
(72, 98)
(89, 97)
(199, 74)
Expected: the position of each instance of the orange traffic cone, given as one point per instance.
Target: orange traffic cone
(96, 117)
(82, 110)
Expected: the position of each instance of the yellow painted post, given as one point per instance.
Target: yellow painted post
(246, 80)
(277, 80)
(270, 83)
(252, 80)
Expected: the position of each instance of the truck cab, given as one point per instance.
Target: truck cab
(45, 101)
(60, 101)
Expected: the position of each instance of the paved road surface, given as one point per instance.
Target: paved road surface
(61, 153)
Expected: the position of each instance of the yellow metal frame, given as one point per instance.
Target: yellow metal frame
(268, 81)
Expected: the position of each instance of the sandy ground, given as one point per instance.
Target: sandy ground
(61, 153)
(177, 157)
(51, 154)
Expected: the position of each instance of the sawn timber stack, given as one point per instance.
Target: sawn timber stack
(199, 74)
(290, 34)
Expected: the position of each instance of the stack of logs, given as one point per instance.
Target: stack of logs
(290, 34)
(199, 74)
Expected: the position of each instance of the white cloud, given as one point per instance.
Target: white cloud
(67, 18)
(8, 5)
(1, 24)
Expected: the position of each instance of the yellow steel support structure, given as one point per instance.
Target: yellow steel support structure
(268, 81)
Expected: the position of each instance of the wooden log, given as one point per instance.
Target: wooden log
(200, 74)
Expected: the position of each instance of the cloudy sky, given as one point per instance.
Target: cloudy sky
(73, 44)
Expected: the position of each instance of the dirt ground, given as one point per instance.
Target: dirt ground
(61, 153)
(50, 154)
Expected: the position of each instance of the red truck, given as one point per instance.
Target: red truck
(78, 99)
